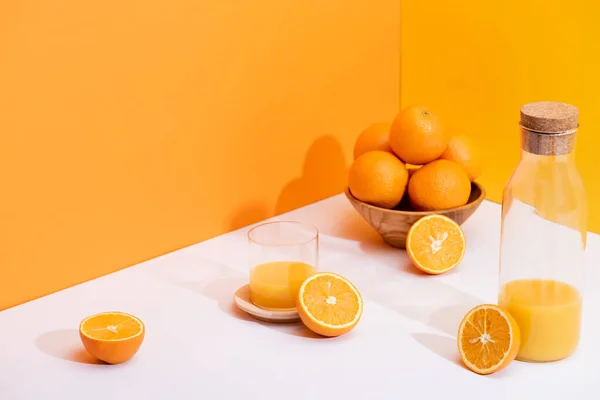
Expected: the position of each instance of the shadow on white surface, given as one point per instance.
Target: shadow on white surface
(221, 291)
(294, 329)
(445, 319)
(407, 267)
(428, 301)
(443, 346)
(66, 345)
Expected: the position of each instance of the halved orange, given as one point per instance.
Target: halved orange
(435, 244)
(488, 339)
(329, 304)
(113, 337)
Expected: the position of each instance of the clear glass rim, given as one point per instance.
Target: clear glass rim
(311, 227)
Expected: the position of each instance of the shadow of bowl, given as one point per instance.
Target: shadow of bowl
(393, 224)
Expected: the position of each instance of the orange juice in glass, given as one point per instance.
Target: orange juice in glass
(282, 255)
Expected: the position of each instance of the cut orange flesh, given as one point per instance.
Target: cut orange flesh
(435, 244)
(113, 337)
(329, 304)
(488, 339)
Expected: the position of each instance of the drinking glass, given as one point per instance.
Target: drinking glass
(282, 255)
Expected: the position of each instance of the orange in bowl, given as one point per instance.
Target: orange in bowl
(417, 135)
(113, 337)
(464, 151)
(378, 178)
(375, 137)
(439, 185)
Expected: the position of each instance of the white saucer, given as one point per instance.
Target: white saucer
(241, 298)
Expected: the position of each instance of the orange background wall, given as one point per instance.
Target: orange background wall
(133, 128)
(477, 62)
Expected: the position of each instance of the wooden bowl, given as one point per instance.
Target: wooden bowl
(393, 225)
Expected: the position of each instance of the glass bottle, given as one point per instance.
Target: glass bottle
(543, 236)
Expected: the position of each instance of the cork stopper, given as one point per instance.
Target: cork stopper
(549, 117)
(548, 128)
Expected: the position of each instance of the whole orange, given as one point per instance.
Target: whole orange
(439, 185)
(375, 137)
(465, 152)
(417, 136)
(378, 178)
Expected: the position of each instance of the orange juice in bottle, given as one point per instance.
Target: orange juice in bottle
(544, 235)
(548, 314)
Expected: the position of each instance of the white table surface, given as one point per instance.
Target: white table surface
(199, 346)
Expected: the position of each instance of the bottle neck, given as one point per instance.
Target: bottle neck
(555, 144)
(528, 157)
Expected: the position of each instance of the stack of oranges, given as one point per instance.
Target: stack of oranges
(417, 157)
